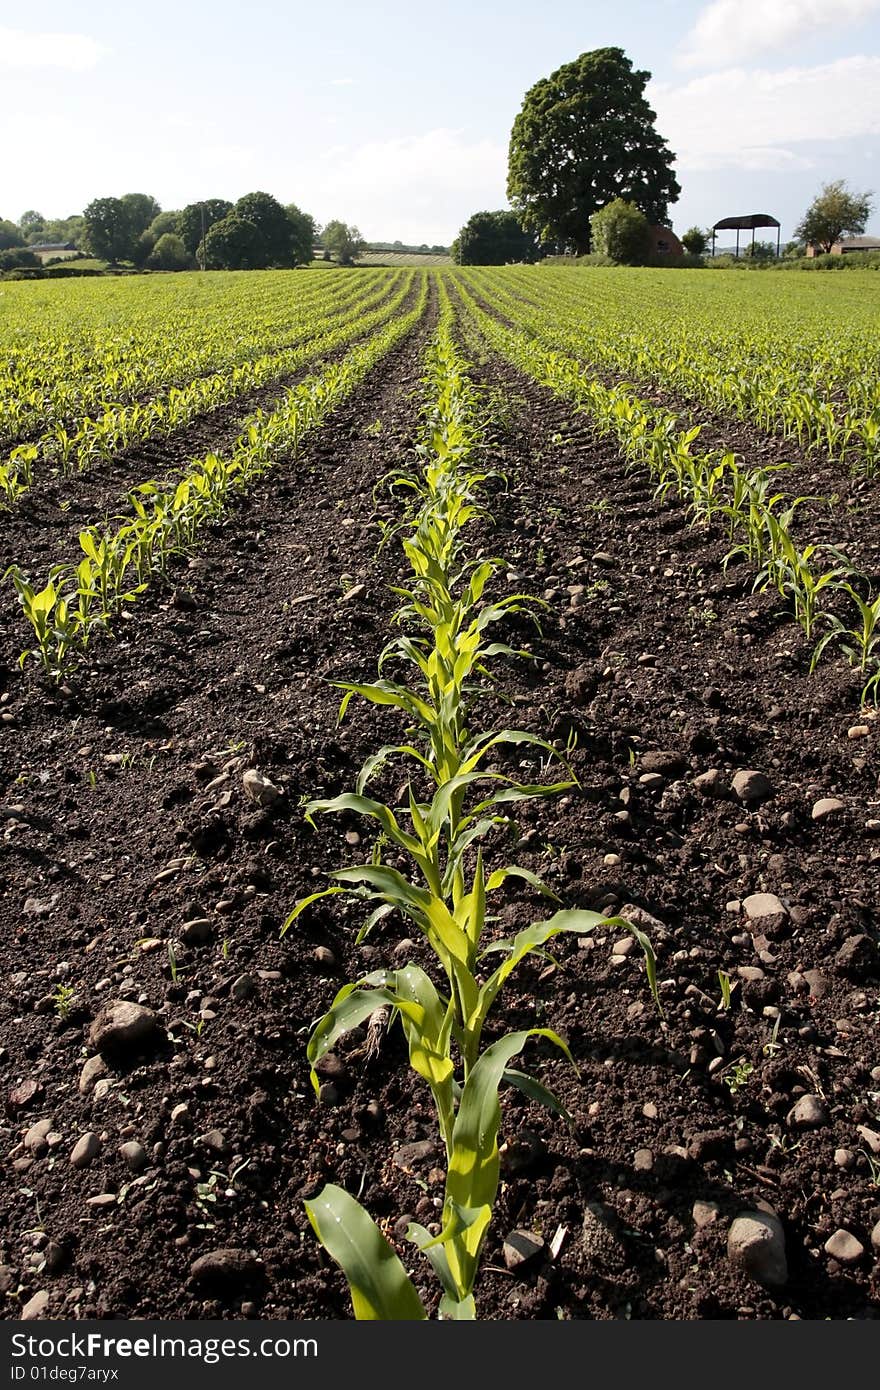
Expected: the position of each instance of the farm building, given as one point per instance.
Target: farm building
(847, 245)
(665, 242)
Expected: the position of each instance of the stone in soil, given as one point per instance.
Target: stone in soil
(844, 1247)
(227, 1267)
(259, 789)
(123, 1026)
(808, 1112)
(521, 1247)
(85, 1150)
(827, 806)
(756, 1247)
(751, 788)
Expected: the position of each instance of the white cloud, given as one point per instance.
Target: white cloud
(418, 188)
(748, 119)
(75, 52)
(730, 31)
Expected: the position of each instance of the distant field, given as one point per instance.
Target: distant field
(396, 258)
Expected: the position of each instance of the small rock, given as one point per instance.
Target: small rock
(21, 1095)
(643, 1160)
(36, 1307)
(870, 1136)
(875, 1236)
(35, 1139)
(196, 931)
(355, 592)
(759, 905)
(844, 1247)
(827, 806)
(227, 1267)
(85, 1150)
(808, 1112)
(601, 557)
(623, 946)
(327, 1093)
(858, 731)
(704, 1213)
(756, 1245)
(243, 987)
(121, 1025)
(102, 1201)
(652, 781)
(134, 1156)
(520, 1247)
(663, 761)
(259, 789)
(844, 1158)
(857, 955)
(215, 1140)
(94, 1068)
(332, 1067)
(711, 784)
(324, 956)
(751, 787)
(418, 1152)
(818, 985)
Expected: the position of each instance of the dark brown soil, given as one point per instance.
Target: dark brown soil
(123, 833)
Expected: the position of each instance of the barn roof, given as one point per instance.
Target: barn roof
(748, 222)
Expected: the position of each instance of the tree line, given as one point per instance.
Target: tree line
(255, 233)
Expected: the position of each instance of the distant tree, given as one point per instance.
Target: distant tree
(585, 136)
(169, 253)
(10, 235)
(61, 229)
(273, 224)
(198, 218)
(833, 213)
(343, 241)
(696, 241)
(622, 232)
(303, 234)
(141, 209)
(32, 224)
(165, 222)
(19, 258)
(793, 250)
(142, 248)
(760, 251)
(233, 244)
(108, 230)
(494, 238)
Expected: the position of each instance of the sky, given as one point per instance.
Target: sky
(396, 117)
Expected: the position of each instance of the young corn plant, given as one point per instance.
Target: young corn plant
(442, 897)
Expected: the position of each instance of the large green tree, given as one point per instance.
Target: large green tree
(343, 241)
(10, 235)
(621, 232)
(234, 244)
(494, 238)
(585, 136)
(141, 209)
(273, 224)
(109, 231)
(196, 220)
(835, 212)
(303, 232)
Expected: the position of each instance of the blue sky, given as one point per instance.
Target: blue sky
(397, 116)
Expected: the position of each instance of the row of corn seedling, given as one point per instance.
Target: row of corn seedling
(434, 672)
(118, 564)
(822, 397)
(98, 439)
(712, 485)
(83, 344)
